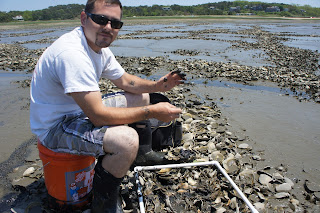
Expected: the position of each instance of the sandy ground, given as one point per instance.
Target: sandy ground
(14, 113)
(15, 128)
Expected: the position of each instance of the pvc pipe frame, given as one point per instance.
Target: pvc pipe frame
(216, 163)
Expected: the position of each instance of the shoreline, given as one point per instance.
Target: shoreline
(134, 20)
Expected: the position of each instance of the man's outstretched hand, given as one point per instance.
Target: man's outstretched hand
(171, 80)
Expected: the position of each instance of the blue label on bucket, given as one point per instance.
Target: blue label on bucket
(79, 183)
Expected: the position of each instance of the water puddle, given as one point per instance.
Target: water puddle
(230, 37)
(230, 84)
(303, 42)
(162, 35)
(11, 74)
(35, 46)
(212, 50)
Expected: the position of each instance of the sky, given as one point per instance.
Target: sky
(22, 5)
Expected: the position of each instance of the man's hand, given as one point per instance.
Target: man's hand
(164, 111)
(170, 80)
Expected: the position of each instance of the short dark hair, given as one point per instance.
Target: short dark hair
(90, 4)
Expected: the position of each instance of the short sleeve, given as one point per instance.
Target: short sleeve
(113, 70)
(76, 72)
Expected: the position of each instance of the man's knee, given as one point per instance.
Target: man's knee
(131, 137)
(134, 100)
(121, 139)
(146, 99)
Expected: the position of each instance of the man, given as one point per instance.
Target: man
(67, 112)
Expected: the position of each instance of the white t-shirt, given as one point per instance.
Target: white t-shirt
(68, 65)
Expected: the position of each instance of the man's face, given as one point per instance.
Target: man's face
(100, 36)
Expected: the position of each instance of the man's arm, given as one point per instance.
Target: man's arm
(100, 115)
(136, 85)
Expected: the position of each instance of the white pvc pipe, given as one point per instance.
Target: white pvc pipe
(139, 192)
(216, 163)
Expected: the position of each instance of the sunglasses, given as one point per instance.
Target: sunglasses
(102, 20)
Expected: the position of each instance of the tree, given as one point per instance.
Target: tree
(27, 15)
(71, 11)
(4, 17)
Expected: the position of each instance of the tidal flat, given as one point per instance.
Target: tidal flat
(251, 101)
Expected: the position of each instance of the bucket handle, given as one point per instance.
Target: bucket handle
(45, 165)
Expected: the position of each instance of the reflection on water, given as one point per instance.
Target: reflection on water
(9, 74)
(21, 36)
(310, 43)
(228, 84)
(34, 46)
(311, 28)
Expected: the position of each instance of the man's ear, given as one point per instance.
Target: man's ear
(83, 18)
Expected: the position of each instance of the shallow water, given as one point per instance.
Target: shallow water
(310, 43)
(286, 129)
(272, 88)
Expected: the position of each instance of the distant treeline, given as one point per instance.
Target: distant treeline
(72, 11)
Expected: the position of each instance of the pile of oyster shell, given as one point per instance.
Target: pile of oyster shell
(14, 57)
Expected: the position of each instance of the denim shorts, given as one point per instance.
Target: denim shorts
(75, 134)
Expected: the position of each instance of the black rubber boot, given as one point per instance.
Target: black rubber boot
(146, 156)
(106, 188)
(150, 158)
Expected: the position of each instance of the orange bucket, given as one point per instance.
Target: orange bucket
(68, 177)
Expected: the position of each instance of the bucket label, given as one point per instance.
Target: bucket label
(79, 183)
